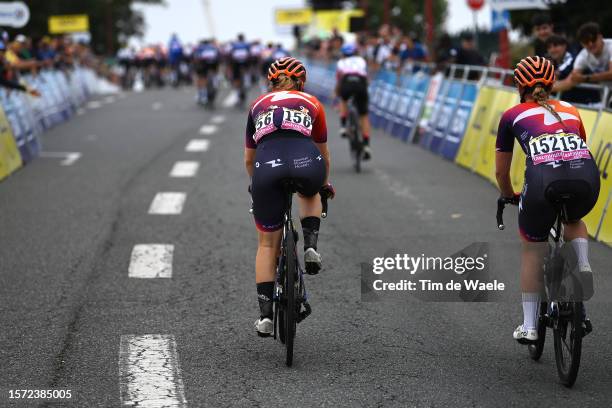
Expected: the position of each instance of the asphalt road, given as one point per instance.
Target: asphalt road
(73, 317)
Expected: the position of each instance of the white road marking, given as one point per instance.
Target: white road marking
(149, 372)
(69, 157)
(185, 169)
(150, 261)
(401, 190)
(80, 111)
(91, 138)
(208, 129)
(122, 95)
(456, 215)
(109, 99)
(157, 106)
(231, 99)
(217, 119)
(94, 104)
(167, 203)
(197, 145)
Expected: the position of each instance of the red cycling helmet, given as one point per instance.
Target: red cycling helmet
(289, 66)
(534, 70)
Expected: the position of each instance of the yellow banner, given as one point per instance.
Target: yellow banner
(600, 145)
(477, 150)
(301, 16)
(10, 159)
(74, 23)
(328, 20)
(471, 139)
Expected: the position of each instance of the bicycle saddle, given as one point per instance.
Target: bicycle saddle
(564, 191)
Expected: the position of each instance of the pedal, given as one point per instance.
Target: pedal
(304, 313)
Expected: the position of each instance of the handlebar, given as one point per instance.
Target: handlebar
(501, 204)
(324, 204)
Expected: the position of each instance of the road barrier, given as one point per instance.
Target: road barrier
(24, 118)
(456, 116)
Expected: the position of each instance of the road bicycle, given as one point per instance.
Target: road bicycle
(354, 134)
(290, 297)
(561, 308)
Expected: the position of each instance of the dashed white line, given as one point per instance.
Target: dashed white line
(167, 203)
(217, 119)
(185, 169)
(69, 157)
(231, 99)
(197, 145)
(80, 111)
(94, 104)
(149, 372)
(109, 99)
(208, 129)
(157, 106)
(149, 261)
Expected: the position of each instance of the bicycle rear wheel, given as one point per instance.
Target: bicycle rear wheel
(536, 349)
(355, 140)
(568, 341)
(290, 287)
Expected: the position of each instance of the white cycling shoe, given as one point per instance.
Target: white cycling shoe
(312, 261)
(524, 336)
(264, 327)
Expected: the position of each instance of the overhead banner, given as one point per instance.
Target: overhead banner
(291, 17)
(73, 23)
(518, 4)
(14, 14)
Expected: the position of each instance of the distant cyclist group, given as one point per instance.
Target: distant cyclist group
(240, 63)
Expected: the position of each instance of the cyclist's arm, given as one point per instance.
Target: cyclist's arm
(324, 150)
(504, 146)
(249, 160)
(503, 160)
(249, 147)
(319, 136)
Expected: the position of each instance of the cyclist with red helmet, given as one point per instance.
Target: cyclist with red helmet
(552, 135)
(286, 139)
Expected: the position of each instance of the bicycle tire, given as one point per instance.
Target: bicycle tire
(356, 142)
(290, 316)
(569, 324)
(536, 349)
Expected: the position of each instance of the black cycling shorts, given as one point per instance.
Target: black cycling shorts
(238, 70)
(357, 87)
(537, 214)
(280, 156)
(203, 68)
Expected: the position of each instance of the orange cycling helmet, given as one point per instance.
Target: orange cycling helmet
(289, 66)
(534, 70)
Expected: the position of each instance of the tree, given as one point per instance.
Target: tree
(569, 16)
(111, 22)
(408, 15)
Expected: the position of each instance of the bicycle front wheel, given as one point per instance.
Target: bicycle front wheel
(568, 341)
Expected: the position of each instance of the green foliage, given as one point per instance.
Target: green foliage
(408, 9)
(103, 14)
(569, 16)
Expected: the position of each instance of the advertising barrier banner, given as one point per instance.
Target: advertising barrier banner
(600, 145)
(10, 159)
(457, 125)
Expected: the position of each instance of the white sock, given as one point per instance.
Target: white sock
(531, 310)
(581, 246)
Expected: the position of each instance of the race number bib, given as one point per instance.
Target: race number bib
(240, 54)
(264, 124)
(299, 120)
(558, 146)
